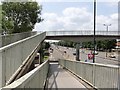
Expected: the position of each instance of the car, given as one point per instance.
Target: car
(74, 53)
(96, 53)
(51, 50)
(64, 51)
(112, 56)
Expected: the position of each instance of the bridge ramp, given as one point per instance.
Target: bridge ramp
(60, 78)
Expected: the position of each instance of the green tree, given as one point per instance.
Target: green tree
(46, 45)
(20, 16)
(101, 45)
(7, 25)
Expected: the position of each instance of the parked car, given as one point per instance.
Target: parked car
(64, 51)
(112, 56)
(74, 53)
(96, 53)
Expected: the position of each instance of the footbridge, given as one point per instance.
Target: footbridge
(81, 36)
(19, 70)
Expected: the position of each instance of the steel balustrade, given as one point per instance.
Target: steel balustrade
(98, 75)
(13, 55)
(11, 38)
(62, 33)
(34, 79)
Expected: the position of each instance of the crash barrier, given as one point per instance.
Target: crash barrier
(34, 79)
(11, 38)
(97, 75)
(13, 55)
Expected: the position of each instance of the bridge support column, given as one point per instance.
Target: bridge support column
(32, 66)
(39, 57)
(77, 52)
(41, 53)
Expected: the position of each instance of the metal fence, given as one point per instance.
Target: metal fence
(13, 55)
(11, 38)
(34, 79)
(98, 75)
(73, 32)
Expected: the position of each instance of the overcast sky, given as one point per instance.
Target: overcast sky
(77, 15)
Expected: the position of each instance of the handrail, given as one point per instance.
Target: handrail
(23, 82)
(97, 75)
(11, 38)
(90, 32)
(12, 56)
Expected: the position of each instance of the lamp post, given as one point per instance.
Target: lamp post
(107, 25)
(94, 29)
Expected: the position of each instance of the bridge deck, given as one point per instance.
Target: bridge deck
(60, 78)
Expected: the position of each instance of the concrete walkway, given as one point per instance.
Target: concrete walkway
(60, 78)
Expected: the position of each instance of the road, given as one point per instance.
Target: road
(56, 54)
(100, 58)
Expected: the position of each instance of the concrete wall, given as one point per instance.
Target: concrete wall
(8, 39)
(34, 79)
(13, 55)
(98, 75)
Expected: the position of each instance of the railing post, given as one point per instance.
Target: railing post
(119, 70)
(119, 78)
(94, 75)
(2, 69)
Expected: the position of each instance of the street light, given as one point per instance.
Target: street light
(94, 29)
(107, 25)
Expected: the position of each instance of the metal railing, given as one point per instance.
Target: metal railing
(13, 55)
(34, 79)
(98, 75)
(11, 38)
(62, 33)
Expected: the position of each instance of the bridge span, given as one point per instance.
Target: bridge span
(82, 36)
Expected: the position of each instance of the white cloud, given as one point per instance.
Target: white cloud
(114, 16)
(76, 0)
(113, 4)
(73, 18)
(111, 19)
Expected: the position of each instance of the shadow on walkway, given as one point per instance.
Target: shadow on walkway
(59, 78)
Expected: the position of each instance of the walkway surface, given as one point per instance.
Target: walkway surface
(60, 78)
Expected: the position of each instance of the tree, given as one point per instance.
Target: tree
(7, 25)
(20, 16)
(101, 45)
(46, 45)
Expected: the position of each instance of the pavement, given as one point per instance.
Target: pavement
(60, 78)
